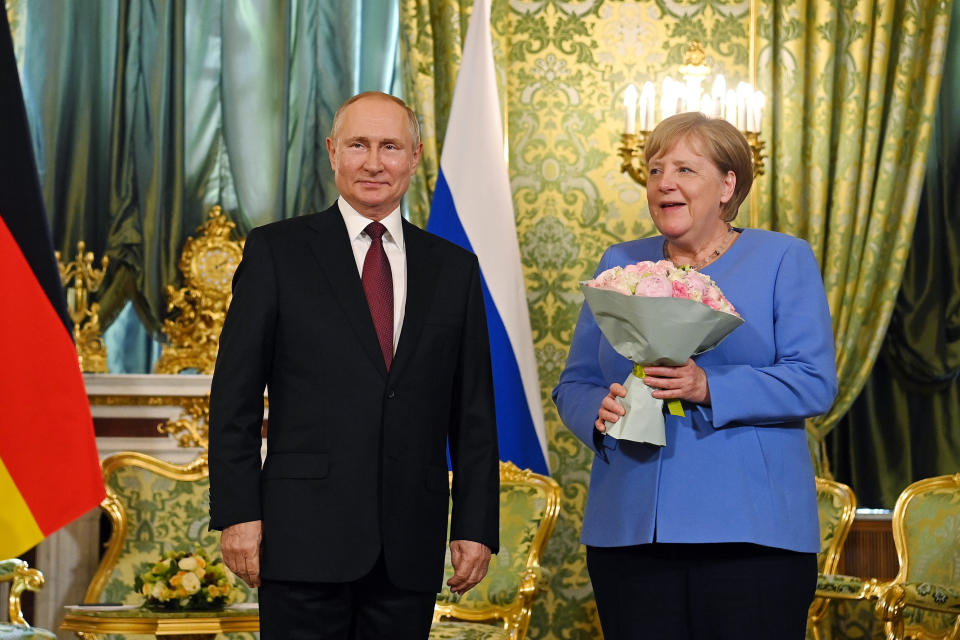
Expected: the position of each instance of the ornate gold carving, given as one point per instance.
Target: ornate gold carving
(91, 350)
(198, 309)
(23, 578)
(191, 428)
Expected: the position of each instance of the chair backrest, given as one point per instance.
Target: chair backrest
(154, 507)
(529, 506)
(837, 507)
(926, 532)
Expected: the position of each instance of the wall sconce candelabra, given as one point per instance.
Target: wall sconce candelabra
(743, 108)
(91, 350)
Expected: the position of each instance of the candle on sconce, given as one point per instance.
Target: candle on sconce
(717, 93)
(648, 98)
(758, 102)
(630, 104)
(668, 99)
(707, 106)
(743, 100)
(730, 107)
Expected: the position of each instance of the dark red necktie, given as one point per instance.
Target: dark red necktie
(378, 285)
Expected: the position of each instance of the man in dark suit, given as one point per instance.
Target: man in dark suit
(371, 338)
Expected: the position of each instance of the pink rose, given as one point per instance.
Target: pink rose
(680, 289)
(660, 268)
(695, 286)
(654, 286)
(612, 280)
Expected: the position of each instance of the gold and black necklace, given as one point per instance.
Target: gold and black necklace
(716, 253)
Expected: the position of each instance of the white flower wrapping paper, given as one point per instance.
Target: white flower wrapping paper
(653, 331)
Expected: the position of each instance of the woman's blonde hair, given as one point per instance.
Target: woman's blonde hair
(721, 142)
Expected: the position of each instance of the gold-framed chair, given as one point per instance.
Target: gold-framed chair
(923, 600)
(500, 606)
(21, 578)
(837, 507)
(154, 507)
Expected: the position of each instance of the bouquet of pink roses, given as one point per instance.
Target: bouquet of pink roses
(656, 313)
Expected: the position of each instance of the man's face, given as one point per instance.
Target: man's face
(373, 156)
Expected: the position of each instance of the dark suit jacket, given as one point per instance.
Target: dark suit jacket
(356, 456)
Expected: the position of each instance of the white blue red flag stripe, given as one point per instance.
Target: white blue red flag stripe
(473, 207)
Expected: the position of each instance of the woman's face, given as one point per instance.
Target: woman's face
(686, 192)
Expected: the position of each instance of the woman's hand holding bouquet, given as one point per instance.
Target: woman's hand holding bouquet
(656, 313)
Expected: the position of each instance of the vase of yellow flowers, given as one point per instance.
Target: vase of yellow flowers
(185, 580)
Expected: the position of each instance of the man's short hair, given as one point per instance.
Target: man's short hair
(411, 116)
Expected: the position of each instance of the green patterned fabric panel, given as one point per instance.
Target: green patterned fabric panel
(932, 528)
(930, 594)
(162, 515)
(933, 595)
(466, 631)
(851, 620)
(19, 632)
(830, 508)
(521, 510)
(833, 585)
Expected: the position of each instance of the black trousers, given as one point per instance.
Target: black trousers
(721, 591)
(371, 608)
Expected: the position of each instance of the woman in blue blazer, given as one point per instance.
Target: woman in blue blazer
(716, 533)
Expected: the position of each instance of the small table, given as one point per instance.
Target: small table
(185, 625)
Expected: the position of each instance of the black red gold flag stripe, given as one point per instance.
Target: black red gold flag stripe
(49, 469)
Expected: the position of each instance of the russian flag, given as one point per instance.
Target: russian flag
(473, 207)
(49, 469)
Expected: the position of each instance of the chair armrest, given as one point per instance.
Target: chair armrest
(934, 597)
(847, 587)
(531, 580)
(22, 578)
(922, 595)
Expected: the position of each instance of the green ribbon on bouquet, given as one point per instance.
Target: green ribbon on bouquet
(675, 407)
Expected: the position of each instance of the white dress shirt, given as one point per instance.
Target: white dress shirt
(392, 245)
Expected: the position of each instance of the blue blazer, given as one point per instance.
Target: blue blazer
(740, 469)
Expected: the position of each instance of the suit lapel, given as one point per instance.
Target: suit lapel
(421, 265)
(332, 250)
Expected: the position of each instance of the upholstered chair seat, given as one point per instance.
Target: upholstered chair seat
(836, 506)
(461, 630)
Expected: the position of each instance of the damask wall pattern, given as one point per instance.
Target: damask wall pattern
(564, 66)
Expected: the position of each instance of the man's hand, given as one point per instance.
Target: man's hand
(240, 546)
(470, 561)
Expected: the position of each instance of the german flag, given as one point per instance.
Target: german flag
(49, 469)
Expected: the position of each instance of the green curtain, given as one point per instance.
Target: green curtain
(853, 88)
(905, 425)
(432, 34)
(145, 113)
